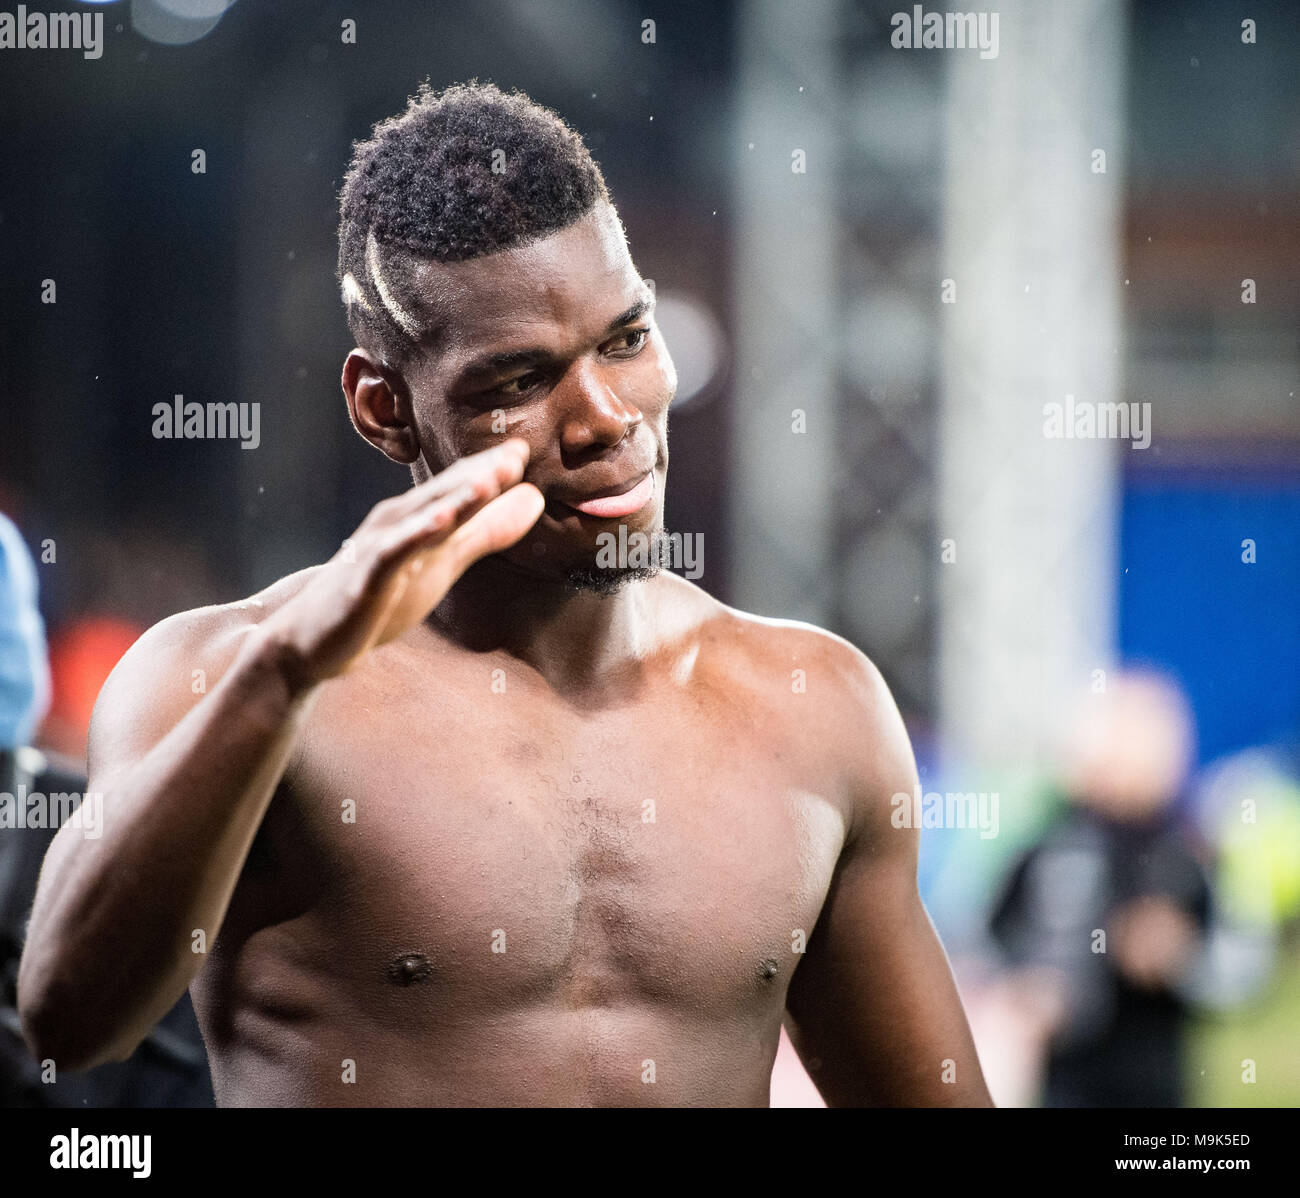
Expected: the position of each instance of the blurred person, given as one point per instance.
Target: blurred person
(24, 668)
(475, 812)
(170, 1067)
(24, 697)
(1105, 919)
(1248, 808)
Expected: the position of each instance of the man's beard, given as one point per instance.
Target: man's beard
(605, 581)
(610, 579)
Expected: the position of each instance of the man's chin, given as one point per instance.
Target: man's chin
(576, 572)
(600, 563)
(598, 580)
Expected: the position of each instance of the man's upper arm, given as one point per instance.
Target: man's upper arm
(158, 681)
(872, 1009)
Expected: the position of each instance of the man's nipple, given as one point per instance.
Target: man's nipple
(409, 968)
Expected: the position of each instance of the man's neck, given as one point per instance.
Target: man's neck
(574, 639)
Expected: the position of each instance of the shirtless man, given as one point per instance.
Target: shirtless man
(464, 818)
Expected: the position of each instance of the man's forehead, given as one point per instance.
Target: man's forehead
(570, 276)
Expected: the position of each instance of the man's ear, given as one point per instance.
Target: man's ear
(379, 403)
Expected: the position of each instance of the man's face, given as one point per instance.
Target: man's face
(554, 342)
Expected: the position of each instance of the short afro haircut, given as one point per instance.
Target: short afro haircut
(464, 172)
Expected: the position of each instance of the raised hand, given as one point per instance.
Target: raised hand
(406, 555)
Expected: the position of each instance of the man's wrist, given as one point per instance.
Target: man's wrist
(272, 667)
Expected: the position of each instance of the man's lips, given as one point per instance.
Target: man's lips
(624, 503)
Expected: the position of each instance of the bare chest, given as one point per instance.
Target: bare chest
(497, 851)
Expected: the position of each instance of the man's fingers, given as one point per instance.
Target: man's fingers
(430, 573)
(429, 525)
(497, 526)
(437, 517)
(493, 469)
(425, 530)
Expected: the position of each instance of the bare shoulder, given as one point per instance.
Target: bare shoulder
(204, 635)
(834, 673)
(170, 668)
(826, 691)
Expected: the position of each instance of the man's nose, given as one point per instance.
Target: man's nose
(594, 416)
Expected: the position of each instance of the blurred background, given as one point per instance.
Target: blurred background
(878, 269)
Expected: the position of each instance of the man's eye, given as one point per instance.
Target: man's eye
(627, 344)
(520, 386)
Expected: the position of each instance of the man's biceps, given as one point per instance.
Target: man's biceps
(159, 681)
(126, 728)
(121, 732)
(877, 873)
